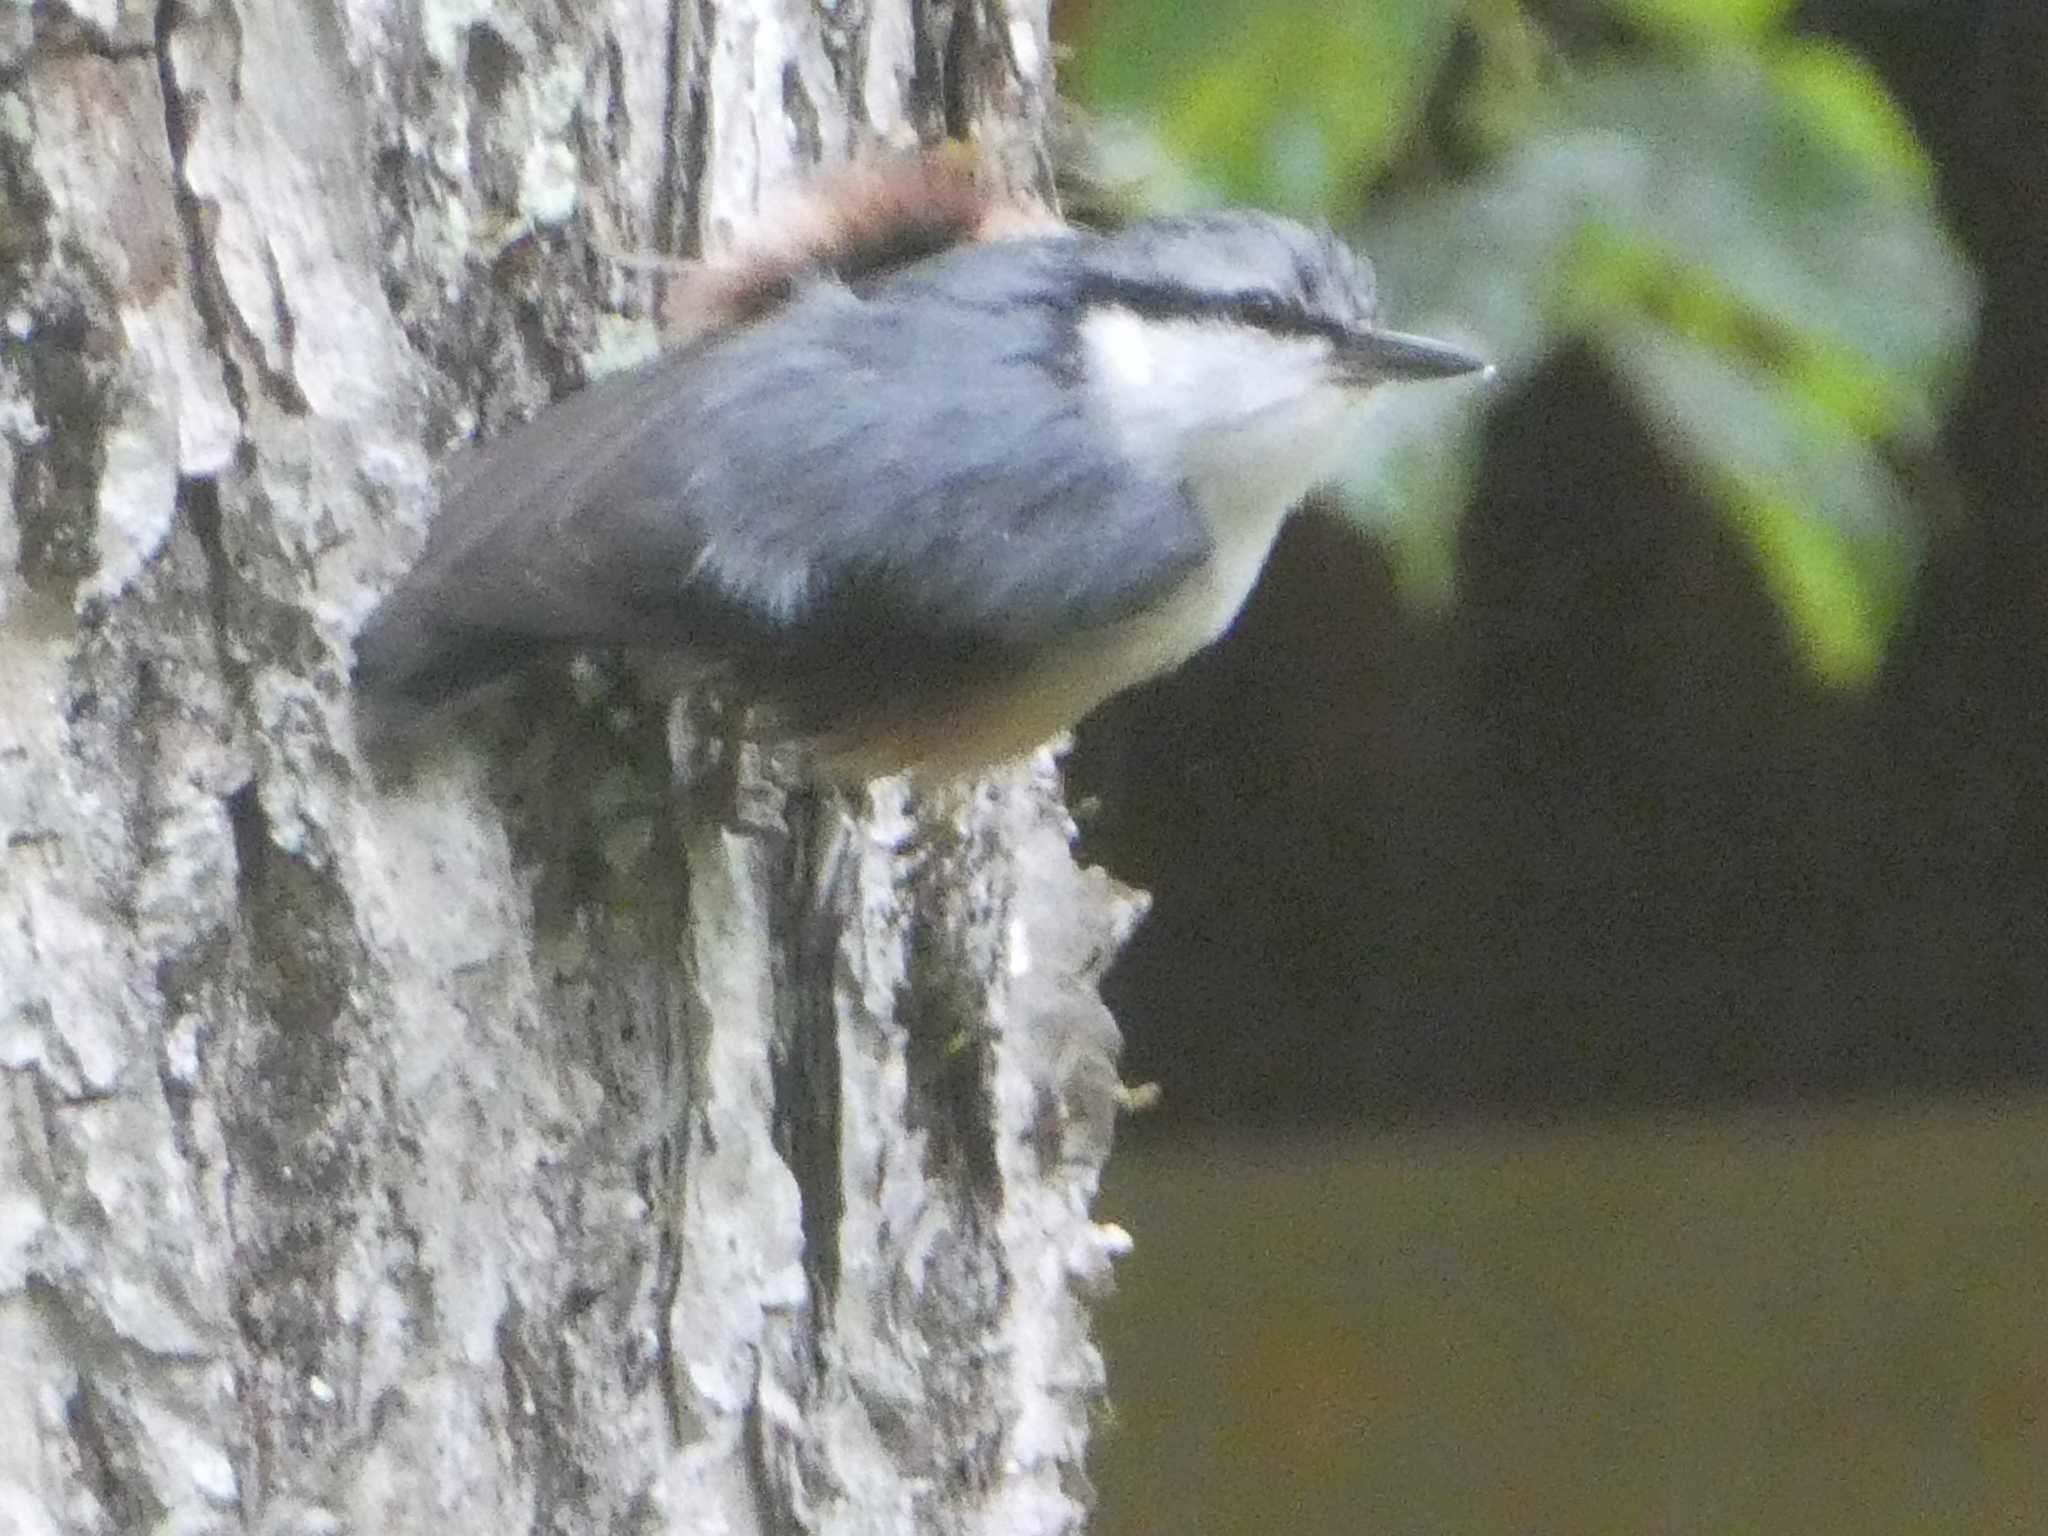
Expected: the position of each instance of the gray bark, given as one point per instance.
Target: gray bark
(607, 1155)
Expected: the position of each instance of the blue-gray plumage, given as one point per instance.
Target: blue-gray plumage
(925, 520)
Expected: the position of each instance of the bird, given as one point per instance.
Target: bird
(924, 481)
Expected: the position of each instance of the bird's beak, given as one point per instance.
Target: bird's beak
(1376, 356)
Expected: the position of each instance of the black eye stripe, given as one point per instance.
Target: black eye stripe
(1266, 311)
(1272, 313)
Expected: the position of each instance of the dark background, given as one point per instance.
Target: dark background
(1598, 839)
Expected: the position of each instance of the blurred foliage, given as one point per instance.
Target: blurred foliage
(1735, 217)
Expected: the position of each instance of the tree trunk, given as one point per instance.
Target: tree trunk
(610, 1156)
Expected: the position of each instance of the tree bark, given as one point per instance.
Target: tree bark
(602, 1156)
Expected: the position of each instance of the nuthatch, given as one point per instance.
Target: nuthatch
(926, 490)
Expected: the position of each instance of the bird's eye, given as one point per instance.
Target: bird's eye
(1264, 309)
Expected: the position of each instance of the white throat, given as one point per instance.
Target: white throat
(1249, 421)
(1246, 417)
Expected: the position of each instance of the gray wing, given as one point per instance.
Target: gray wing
(856, 496)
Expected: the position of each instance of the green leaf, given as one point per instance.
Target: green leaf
(1706, 21)
(1830, 525)
(1744, 225)
(1287, 103)
(1755, 250)
(1412, 471)
(1839, 96)
(1817, 238)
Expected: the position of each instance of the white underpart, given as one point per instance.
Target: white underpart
(1250, 422)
